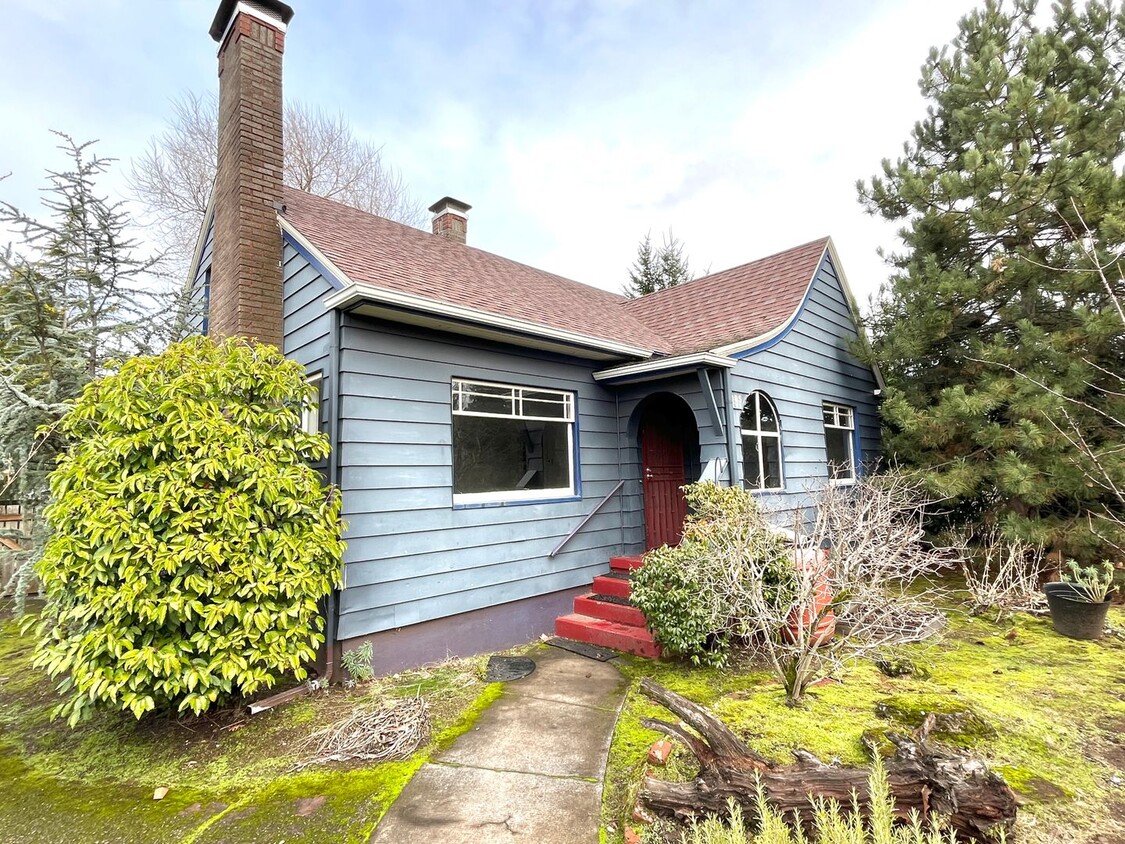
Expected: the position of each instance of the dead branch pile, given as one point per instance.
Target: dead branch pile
(392, 730)
(925, 778)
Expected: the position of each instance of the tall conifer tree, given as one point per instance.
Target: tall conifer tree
(73, 296)
(998, 339)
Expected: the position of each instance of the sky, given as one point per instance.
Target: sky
(572, 128)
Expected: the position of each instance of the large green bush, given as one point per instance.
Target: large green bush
(695, 596)
(192, 539)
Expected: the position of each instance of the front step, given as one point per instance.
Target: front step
(615, 583)
(610, 608)
(626, 563)
(607, 634)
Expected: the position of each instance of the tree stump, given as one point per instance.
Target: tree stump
(931, 780)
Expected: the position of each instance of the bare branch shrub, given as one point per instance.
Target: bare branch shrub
(1004, 576)
(734, 582)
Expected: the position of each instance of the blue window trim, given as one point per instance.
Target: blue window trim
(205, 325)
(316, 265)
(577, 496)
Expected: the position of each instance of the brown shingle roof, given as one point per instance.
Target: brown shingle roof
(373, 250)
(725, 307)
(733, 305)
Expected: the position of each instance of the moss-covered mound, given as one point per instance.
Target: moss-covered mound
(1046, 712)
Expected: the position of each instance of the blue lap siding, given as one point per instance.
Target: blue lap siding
(807, 365)
(412, 555)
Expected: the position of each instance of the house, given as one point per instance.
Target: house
(499, 432)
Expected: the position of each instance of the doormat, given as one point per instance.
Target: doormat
(582, 649)
(501, 669)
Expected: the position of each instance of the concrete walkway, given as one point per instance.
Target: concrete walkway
(531, 769)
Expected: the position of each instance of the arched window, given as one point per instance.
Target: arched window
(761, 444)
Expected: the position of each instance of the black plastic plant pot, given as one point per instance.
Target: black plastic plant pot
(1072, 615)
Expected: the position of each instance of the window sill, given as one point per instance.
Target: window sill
(478, 504)
(841, 481)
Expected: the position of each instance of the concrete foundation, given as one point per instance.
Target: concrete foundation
(480, 631)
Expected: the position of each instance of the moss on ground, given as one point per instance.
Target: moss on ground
(1046, 713)
(230, 777)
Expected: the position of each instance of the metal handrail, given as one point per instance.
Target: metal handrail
(589, 516)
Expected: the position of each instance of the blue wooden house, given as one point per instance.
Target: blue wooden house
(499, 433)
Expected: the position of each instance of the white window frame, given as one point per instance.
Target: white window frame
(842, 419)
(519, 394)
(757, 433)
(310, 416)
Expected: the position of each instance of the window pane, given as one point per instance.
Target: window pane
(480, 398)
(497, 455)
(751, 469)
(838, 445)
(766, 416)
(554, 409)
(771, 458)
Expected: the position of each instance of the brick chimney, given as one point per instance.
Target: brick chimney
(246, 287)
(451, 218)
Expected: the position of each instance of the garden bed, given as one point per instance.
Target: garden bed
(1047, 712)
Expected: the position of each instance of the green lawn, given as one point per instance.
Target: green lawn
(229, 776)
(1057, 706)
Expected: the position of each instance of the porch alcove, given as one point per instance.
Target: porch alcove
(666, 435)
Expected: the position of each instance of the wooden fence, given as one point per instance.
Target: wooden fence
(11, 522)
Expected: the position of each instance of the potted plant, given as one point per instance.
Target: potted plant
(1080, 601)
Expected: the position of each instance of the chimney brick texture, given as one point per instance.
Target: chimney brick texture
(246, 283)
(453, 226)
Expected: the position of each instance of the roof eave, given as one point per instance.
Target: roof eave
(664, 366)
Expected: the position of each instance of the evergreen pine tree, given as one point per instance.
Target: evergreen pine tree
(996, 334)
(656, 269)
(73, 297)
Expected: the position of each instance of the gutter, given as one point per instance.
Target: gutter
(728, 407)
(658, 366)
(358, 293)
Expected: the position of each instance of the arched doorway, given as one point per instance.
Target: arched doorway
(669, 447)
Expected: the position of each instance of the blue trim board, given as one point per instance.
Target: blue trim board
(316, 265)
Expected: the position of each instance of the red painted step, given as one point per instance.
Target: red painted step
(588, 604)
(607, 634)
(608, 585)
(630, 563)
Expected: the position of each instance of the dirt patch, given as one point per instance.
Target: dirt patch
(307, 805)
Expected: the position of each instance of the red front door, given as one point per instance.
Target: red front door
(662, 467)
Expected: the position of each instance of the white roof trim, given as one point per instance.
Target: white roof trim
(201, 238)
(355, 293)
(743, 345)
(291, 230)
(830, 250)
(658, 365)
(855, 309)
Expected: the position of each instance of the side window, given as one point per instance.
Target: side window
(839, 442)
(511, 443)
(761, 444)
(205, 322)
(310, 416)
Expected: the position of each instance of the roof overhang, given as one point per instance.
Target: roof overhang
(745, 348)
(664, 366)
(410, 309)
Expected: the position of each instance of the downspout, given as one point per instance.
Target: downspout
(331, 620)
(728, 407)
(621, 503)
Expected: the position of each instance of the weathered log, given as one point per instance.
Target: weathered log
(925, 778)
